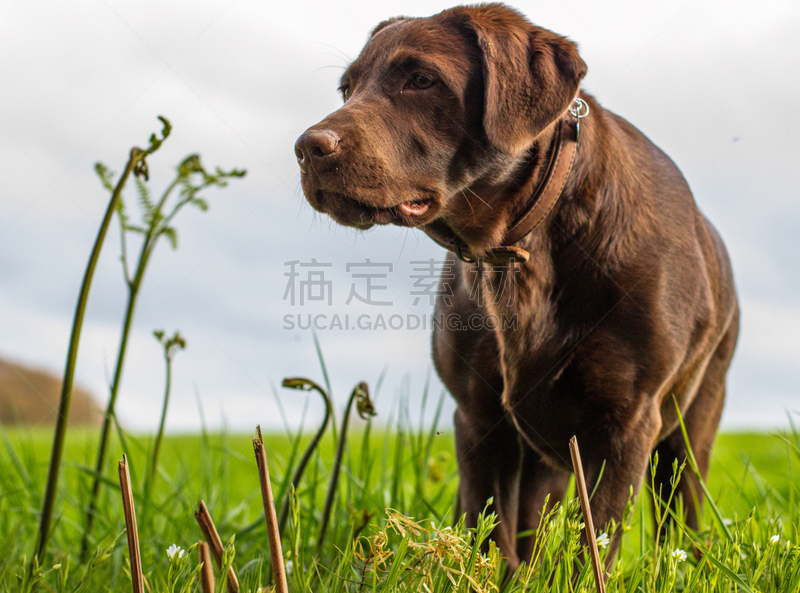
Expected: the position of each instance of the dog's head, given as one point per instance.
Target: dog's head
(430, 106)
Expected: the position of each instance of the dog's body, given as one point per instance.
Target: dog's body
(626, 305)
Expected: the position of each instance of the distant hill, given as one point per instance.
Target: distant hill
(31, 396)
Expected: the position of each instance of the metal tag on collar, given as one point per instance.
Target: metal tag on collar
(579, 109)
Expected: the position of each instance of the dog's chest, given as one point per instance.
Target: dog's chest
(561, 361)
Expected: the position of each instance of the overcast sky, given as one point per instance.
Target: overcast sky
(715, 84)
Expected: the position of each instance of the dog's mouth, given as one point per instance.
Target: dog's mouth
(415, 208)
(353, 212)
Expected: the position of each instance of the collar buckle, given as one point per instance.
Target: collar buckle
(579, 109)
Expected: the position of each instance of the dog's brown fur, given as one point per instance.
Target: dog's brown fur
(626, 305)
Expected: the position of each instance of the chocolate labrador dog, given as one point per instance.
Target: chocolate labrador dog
(471, 126)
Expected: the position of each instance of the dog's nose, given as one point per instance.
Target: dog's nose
(315, 144)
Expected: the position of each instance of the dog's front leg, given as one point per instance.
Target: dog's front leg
(541, 486)
(626, 456)
(489, 457)
(487, 443)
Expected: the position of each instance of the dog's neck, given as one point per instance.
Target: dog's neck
(513, 292)
(576, 240)
(490, 216)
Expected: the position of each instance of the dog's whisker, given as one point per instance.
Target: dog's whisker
(488, 205)
(466, 199)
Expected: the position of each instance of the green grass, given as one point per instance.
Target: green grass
(413, 472)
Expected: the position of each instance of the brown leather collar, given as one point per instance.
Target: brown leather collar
(541, 204)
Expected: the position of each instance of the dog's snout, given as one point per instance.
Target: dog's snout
(315, 144)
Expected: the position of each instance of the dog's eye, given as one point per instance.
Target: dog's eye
(420, 81)
(345, 90)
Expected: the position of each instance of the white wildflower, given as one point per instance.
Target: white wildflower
(174, 550)
(289, 566)
(678, 554)
(775, 539)
(602, 540)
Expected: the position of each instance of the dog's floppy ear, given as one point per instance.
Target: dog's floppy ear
(530, 75)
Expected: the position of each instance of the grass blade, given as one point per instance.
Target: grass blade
(696, 469)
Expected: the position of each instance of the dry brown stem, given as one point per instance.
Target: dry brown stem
(207, 572)
(583, 494)
(278, 569)
(137, 579)
(214, 542)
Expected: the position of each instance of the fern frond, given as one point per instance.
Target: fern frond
(135, 229)
(121, 212)
(144, 200)
(200, 203)
(106, 176)
(172, 235)
(191, 164)
(231, 173)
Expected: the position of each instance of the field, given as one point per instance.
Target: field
(413, 472)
